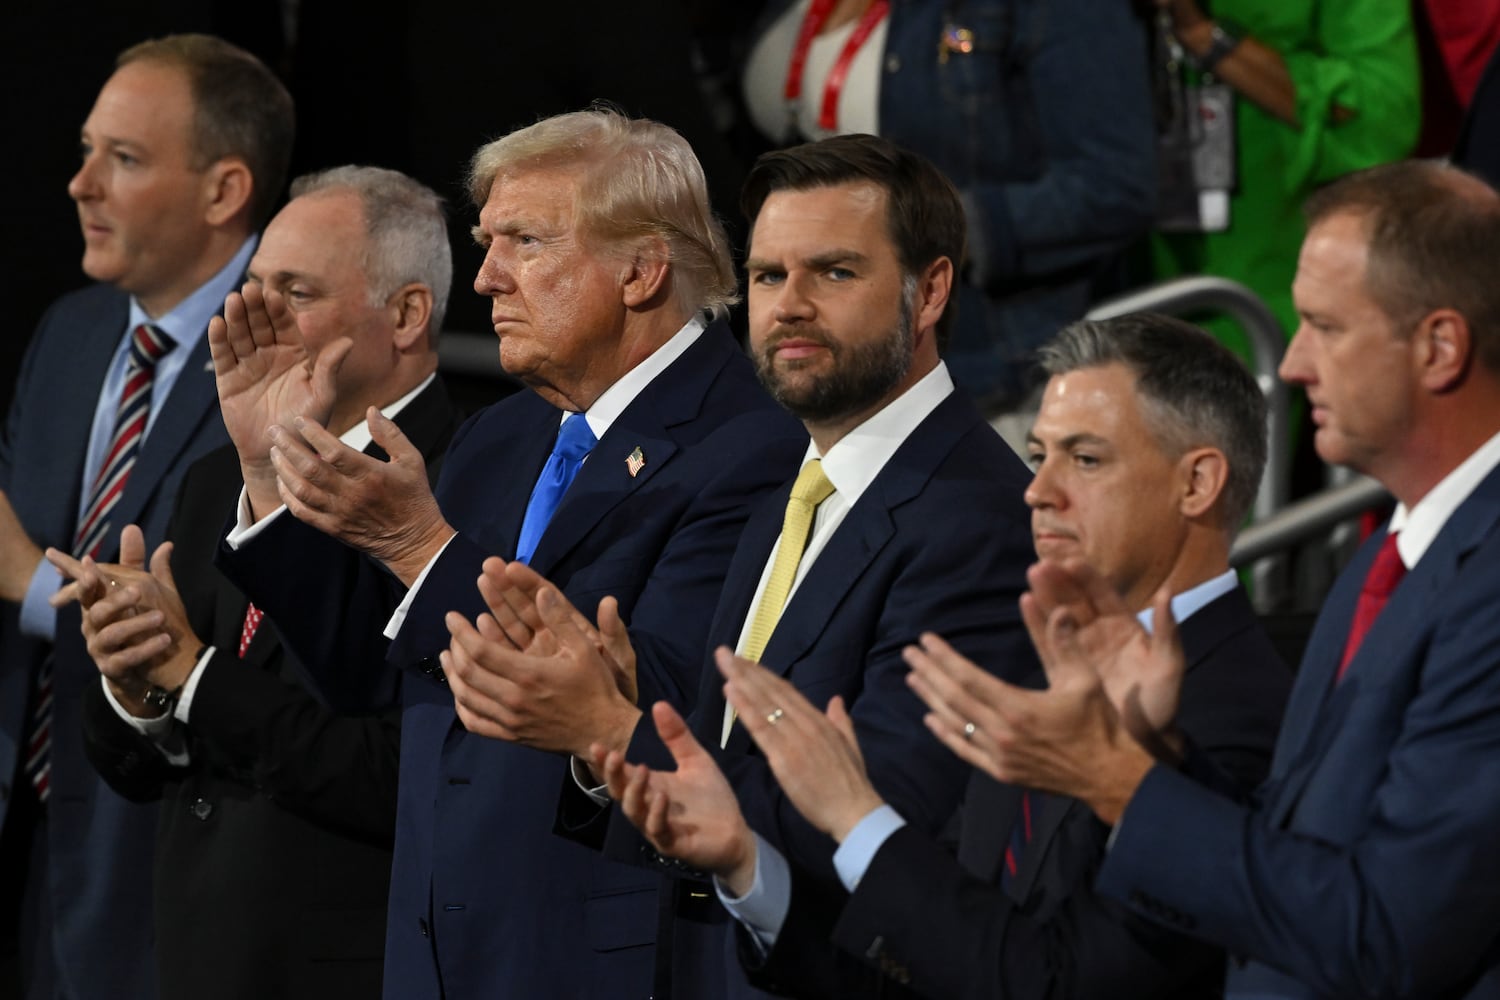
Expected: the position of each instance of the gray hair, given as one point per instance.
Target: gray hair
(639, 179)
(406, 234)
(1194, 391)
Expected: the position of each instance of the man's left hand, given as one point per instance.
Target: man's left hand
(384, 509)
(561, 700)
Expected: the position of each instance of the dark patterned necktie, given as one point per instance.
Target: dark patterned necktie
(147, 346)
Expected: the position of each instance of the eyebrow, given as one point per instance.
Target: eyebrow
(1071, 441)
(817, 261)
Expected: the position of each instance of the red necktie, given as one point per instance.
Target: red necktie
(1386, 571)
(147, 346)
(253, 615)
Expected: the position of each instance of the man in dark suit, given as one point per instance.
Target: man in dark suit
(1365, 864)
(1148, 449)
(855, 247)
(184, 155)
(601, 256)
(274, 849)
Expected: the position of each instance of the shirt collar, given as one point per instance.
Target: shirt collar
(358, 436)
(854, 462)
(608, 407)
(187, 321)
(1417, 527)
(1194, 599)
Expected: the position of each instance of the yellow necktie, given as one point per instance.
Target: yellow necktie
(811, 488)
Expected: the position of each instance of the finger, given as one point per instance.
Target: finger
(282, 321)
(480, 662)
(132, 547)
(560, 618)
(615, 638)
(939, 692)
(257, 320)
(126, 632)
(658, 824)
(966, 747)
(236, 344)
(64, 563)
(514, 611)
(333, 452)
(1165, 637)
(758, 692)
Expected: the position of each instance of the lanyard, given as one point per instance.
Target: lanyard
(812, 23)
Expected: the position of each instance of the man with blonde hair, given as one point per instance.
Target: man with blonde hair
(602, 258)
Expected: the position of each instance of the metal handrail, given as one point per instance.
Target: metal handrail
(1306, 519)
(1267, 344)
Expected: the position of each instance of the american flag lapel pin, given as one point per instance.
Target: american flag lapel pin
(635, 461)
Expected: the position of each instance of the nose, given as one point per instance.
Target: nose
(1042, 491)
(1296, 364)
(84, 184)
(792, 303)
(494, 277)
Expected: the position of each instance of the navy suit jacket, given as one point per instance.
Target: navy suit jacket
(99, 845)
(940, 540)
(947, 927)
(274, 852)
(1366, 864)
(485, 901)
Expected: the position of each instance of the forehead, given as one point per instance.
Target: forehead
(1333, 263)
(802, 223)
(541, 195)
(312, 232)
(144, 102)
(1100, 403)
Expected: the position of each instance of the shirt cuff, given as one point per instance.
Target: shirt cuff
(245, 529)
(854, 855)
(38, 618)
(584, 779)
(398, 617)
(763, 907)
(190, 686)
(157, 729)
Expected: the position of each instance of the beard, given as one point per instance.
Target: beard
(862, 373)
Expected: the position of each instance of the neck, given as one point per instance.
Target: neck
(1439, 442)
(827, 433)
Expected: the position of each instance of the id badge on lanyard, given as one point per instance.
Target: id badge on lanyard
(1196, 147)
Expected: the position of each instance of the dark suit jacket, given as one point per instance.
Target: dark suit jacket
(945, 926)
(1366, 864)
(274, 852)
(484, 900)
(940, 540)
(98, 881)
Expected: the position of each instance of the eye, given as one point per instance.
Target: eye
(124, 159)
(84, 149)
(1035, 458)
(1084, 460)
(527, 240)
(840, 273)
(767, 277)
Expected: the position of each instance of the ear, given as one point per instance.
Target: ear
(412, 306)
(227, 187)
(1444, 349)
(1204, 473)
(645, 274)
(934, 285)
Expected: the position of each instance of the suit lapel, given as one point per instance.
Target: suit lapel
(1389, 648)
(674, 397)
(75, 423)
(193, 400)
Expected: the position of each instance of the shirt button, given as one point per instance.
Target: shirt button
(202, 808)
(893, 64)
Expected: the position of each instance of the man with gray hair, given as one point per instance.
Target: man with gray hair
(273, 854)
(602, 259)
(1148, 449)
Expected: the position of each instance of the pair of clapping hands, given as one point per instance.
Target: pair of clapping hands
(1111, 697)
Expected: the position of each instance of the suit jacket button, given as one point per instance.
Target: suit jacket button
(422, 925)
(201, 808)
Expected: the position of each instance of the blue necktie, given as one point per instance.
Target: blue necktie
(574, 441)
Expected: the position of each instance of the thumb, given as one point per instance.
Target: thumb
(132, 547)
(676, 735)
(839, 716)
(384, 432)
(161, 566)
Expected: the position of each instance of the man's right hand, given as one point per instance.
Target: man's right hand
(267, 378)
(690, 813)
